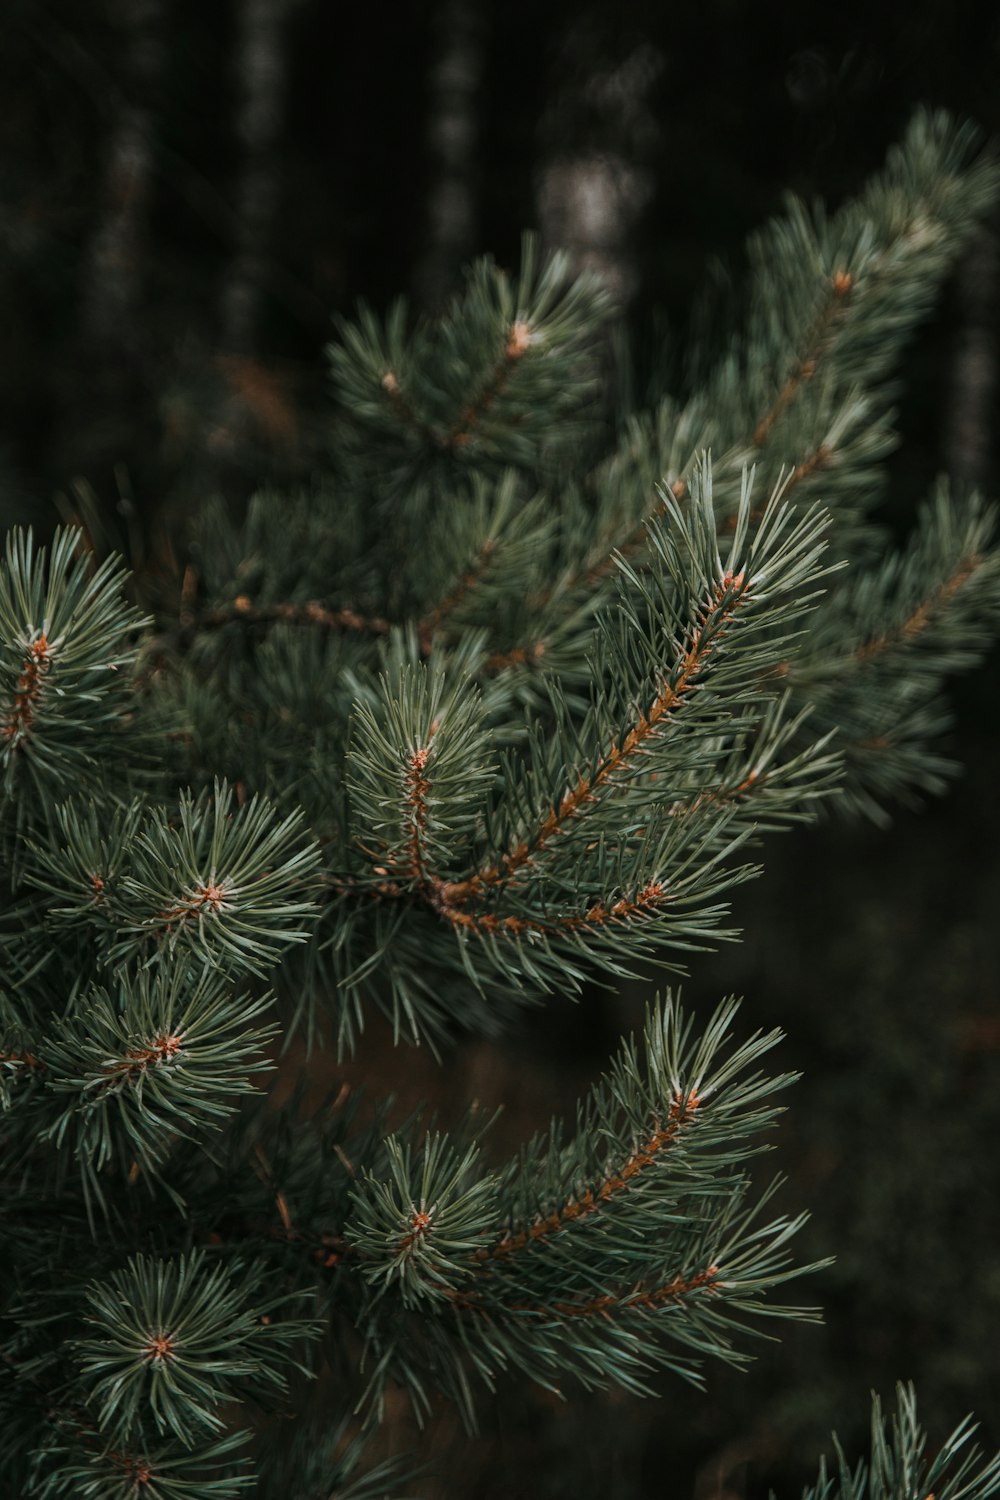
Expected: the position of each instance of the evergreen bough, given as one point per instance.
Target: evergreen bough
(507, 701)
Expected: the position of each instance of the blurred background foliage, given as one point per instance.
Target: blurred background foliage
(189, 191)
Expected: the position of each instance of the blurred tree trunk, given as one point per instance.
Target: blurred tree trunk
(262, 68)
(454, 81)
(252, 412)
(972, 407)
(592, 182)
(114, 268)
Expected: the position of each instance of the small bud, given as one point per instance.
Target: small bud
(159, 1348)
(521, 339)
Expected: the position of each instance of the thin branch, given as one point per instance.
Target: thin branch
(405, 412)
(820, 458)
(517, 656)
(650, 899)
(23, 1060)
(617, 759)
(841, 284)
(918, 621)
(418, 789)
(635, 542)
(243, 610)
(432, 620)
(637, 1297)
(353, 885)
(518, 343)
(805, 368)
(723, 796)
(646, 1297)
(682, 1111)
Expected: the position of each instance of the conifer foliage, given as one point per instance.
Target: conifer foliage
(507, 701)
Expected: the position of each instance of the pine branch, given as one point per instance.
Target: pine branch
(874, 667)
(170, 1340)
(30, 686)
(921, 617)
(539, 336)
(817, 342)
(702, 651)
(899, 1468)
(473, 759)
(519, 341)
(216, 883)
(713, 619)
(457, 595)
(638, 1248)
(831, 305)
(161, 1057)
(244, 611)
(67, 644)
(663, 1138)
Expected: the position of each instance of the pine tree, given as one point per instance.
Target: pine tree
(507, 701)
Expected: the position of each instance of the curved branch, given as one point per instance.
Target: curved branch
(618, 757)
(660, 1140)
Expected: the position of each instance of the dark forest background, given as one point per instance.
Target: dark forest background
(191, 189)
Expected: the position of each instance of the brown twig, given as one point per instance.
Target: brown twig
(648, 1297)
(517, 656)
(805, 368)
(634, 543)
(403, 409)
(23, 1060)
(682, 1111)
(619, 757)
(918, 621)
(243, 610)
(649, 899)
(720, 796)
(608, 1303)
(841, 284)
(138, 1059)
(518, 343)
(432, 620)
(35, 666)
(418, 789)
(820, 458)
